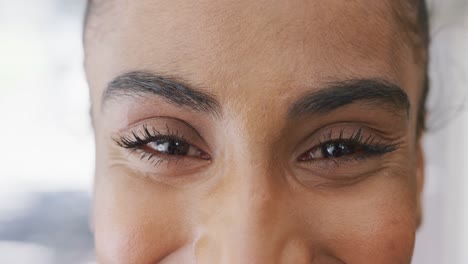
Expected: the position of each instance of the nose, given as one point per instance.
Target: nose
(250, 222)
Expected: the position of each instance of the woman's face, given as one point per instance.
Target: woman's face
(254, 131)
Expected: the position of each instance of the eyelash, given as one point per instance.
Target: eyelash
(367, 145)
(137, 140)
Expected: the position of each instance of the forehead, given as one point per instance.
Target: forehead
(241, 44)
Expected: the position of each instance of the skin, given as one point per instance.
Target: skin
(251, 200)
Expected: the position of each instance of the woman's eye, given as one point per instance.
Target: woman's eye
(173, 147)
(337, 149)
(331, 150)
(155, 146)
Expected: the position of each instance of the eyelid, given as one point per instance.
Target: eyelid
(167, 126)
(336, 131)
(342, 171)
(175, 168)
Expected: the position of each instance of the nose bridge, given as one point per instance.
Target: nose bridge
(249, 223)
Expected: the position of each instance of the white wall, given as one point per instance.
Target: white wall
(443, 237)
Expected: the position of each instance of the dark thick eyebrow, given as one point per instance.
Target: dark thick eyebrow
(140, 84)
(376, 93)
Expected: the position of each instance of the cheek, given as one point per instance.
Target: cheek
(134, 221)
(375, 220)
(383, 232)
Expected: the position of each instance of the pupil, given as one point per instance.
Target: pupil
(172, 147)
(336, 150)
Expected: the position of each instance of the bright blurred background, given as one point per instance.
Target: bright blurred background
(46, 148)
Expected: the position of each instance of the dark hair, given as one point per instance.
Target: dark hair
(423, 24)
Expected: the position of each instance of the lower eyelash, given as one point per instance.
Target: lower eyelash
(153, 159)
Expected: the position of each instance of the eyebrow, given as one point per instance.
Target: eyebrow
(173, 90)
(377, 93)
(334, 95)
